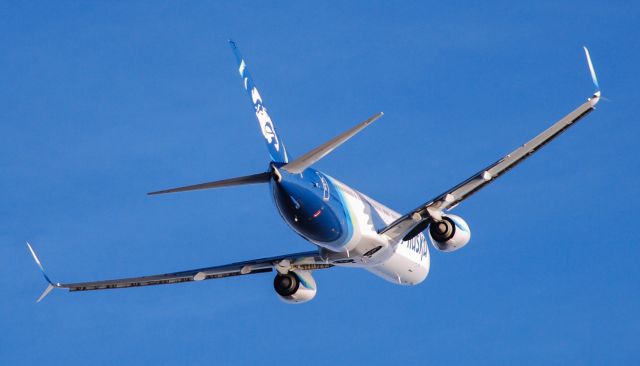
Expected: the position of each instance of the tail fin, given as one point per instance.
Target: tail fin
(274, 143)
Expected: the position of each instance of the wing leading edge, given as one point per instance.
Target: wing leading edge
(304, 261)
(404, 226)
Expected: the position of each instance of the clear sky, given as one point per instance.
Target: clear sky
(101, 102)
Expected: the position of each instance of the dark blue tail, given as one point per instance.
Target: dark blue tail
(274, 143)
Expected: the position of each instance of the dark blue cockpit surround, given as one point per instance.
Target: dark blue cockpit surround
(313, 207)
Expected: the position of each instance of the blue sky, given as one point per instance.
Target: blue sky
(101, 102)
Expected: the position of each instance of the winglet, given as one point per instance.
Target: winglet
(45, 292)
(44, 274)
(594, 78)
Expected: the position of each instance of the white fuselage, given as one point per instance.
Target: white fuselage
(400, 262)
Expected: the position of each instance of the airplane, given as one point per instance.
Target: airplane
(347, 227)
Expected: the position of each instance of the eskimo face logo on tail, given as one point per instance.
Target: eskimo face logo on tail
(265, 121)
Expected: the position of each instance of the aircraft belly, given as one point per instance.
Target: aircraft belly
(405, 263)
(403, 267)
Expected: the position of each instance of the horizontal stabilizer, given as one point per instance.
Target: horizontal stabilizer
(249, 179)
(300, 164)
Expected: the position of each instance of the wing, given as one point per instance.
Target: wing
(411, 224)
(303, 261)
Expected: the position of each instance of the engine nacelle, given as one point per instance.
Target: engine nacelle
(295, 287)
(452, 233)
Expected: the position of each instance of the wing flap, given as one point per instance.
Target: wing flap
(166, 279)
(304, 260)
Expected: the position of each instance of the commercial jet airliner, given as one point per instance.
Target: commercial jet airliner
(346, 227)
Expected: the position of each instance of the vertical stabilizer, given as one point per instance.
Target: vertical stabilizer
(267, 128)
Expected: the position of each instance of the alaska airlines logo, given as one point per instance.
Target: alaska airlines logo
(418, 245)
(242, 67)
(266, 125)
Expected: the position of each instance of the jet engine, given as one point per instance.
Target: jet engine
(295, 287)
(449, 234)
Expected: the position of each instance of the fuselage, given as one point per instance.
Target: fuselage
(344, 224)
